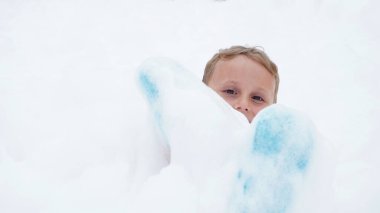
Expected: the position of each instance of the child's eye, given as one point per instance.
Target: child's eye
(257, 99)
(229, 91)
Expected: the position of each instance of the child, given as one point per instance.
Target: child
(244, 77)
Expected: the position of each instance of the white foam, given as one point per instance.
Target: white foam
(76, 134)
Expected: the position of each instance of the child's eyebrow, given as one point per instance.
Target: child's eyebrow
(230, 82)
(262, 91)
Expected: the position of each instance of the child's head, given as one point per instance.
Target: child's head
(245, 77)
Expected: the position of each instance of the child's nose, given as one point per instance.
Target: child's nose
(242, 105)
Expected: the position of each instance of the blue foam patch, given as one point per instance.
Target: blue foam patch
(240, 174)
(282, 199)
(149, 87)
(247, 185)
(282, 141)
(266, 140)
(244, 210)
(303, 160)
(152, 93)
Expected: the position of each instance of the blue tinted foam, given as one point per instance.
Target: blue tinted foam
(149, 87)
(152, 93)
(247, 185)
(299, 154)
(246, 181)
(302, 164)
(267, 141)
(282, 148)
(244, 210)
(240, 174)
(304, 157)
(282, 199)
(303, 160)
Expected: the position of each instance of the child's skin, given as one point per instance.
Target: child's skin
(243, 83)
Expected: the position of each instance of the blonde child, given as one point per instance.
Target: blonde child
(244, 77)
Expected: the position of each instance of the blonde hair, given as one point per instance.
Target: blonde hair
(253, 53)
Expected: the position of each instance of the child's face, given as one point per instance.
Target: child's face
(245, 84)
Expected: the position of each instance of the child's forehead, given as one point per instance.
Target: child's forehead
(242, 69)
(238, 62)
